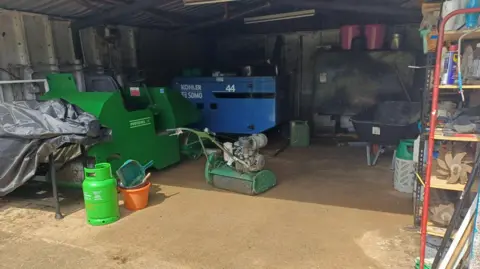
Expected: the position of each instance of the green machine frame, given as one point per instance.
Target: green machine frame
(138, 121)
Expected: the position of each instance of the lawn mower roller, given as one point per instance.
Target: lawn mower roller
(240, 167)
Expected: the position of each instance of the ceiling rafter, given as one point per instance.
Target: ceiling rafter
(172, 16)
(352, 6)
(106, 16)
(238, 13)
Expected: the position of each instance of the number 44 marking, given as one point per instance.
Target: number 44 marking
(230, 88)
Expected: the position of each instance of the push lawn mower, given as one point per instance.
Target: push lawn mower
(240, 167)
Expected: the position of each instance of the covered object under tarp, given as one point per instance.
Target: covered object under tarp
(30, 131)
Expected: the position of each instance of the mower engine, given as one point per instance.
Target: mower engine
(247, 150)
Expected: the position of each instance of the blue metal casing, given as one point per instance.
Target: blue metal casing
(236, 105)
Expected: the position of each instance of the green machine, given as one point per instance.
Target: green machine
(238, 167)
(137, 120)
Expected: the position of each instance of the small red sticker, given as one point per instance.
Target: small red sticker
(134, 91)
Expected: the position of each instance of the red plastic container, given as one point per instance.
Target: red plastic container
(347, 33)
(375, 35)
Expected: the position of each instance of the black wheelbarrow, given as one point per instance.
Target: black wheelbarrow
(385, 124)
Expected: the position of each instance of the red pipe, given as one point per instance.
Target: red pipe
(433, 119)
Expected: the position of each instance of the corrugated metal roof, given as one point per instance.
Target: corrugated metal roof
(61, 8)
(151, 17)
(77, 9)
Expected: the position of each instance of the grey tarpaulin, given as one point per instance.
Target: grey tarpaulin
(32, 130)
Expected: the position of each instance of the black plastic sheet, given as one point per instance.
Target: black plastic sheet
(30, 131)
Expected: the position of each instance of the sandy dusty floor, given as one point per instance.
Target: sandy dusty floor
(329, 211)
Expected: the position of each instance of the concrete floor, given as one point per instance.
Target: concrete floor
(329, 210)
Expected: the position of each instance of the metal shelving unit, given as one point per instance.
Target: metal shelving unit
(424, 112)
(426, 171)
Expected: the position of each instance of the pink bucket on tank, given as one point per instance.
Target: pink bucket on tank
(375, 35)
(347, 34)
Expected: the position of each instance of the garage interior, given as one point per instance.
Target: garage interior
(316, 110)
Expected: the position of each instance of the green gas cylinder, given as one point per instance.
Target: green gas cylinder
(100, 195)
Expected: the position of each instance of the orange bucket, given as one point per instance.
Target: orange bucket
(136, 199)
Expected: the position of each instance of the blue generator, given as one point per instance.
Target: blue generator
(237, 105)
